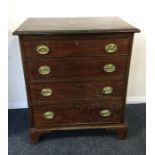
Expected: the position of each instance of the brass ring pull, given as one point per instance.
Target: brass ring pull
(46, 92)
(48, 115)
(44, 70)
(111, 48)
(42, 49)
(107, 90)
(109, 68)
(105, 113)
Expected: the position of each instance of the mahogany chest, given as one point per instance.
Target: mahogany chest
(76, 73)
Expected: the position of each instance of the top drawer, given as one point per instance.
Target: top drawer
(76, 47)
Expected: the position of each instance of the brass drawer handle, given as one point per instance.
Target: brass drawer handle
(42, 49)
(44, 70)
(105, 113)
(111, 48)
(107, 90)
(46, 92)
(48, 115)
(109, 68)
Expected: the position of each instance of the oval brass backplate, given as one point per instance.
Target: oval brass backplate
(48, 115)
(111, 47)
(42, 49)
(107, 90)
(44, 70)
(109, 68)
(46, 92)
(105, 113)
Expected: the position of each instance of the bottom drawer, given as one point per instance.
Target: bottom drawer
(84, 112)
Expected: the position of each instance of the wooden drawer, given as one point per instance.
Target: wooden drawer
(82, 67)
(105, 111)
(74, 47)
(76, 90)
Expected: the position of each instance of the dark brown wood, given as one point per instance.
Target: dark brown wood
(76, 58)
(77, 67)
(77, 113)
(74, 25)
(34, 136)
(77, 90)
(43, 130)
(122, 132)
(75, 36)
(126, 80)
(76, 47)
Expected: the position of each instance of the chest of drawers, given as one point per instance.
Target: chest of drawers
(76, 73)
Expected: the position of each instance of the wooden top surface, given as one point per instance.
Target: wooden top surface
(36, 26)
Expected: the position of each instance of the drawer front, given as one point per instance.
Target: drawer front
(75, 47)
(77, 113)
(88, 67)
(76, 90)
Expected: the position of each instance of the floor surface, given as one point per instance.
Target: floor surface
(85, 142)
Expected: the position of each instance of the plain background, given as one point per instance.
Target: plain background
(127, 10)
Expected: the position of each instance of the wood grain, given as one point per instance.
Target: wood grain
(81, 25)
(76, 47)
(76, 90)
(77, 67)
(76, 113)
(76, 58)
